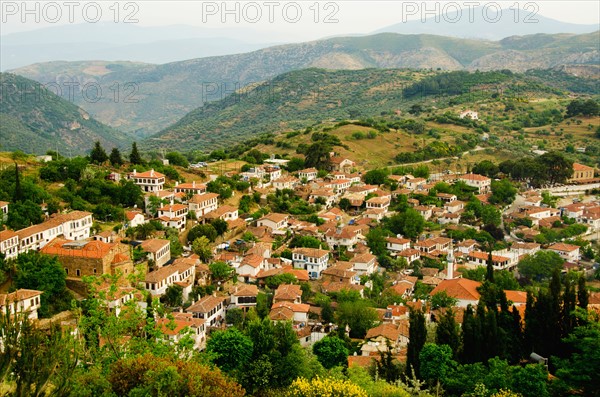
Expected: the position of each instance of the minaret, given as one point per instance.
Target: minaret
(450, 263)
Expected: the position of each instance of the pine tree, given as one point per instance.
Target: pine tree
(530, 322)
(582, 293)
(516, 341)
(489, 274)
(98, 155)
(470, 338)
(135, 157)
(115, 157)
(18, 195)
(446, 332)
(417, 334)
(569, 304)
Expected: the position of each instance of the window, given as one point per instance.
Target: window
(94, 270)
(67, 271)
(78, 272)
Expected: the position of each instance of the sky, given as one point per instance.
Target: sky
(299, 20)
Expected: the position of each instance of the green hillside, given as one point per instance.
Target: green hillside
(35, 120)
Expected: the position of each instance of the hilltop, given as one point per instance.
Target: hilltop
(162, 94)
(35, 120)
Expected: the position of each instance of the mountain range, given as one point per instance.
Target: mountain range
(152, 97)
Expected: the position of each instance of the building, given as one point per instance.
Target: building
(313, 260)
(149, 181)
(286, 311)
(134, 218)
(202, 204)
(225, 212)
(285, 182)
(274, 221)
(581, 173)
(9, 244)
(364, 264)
(500, 262)
(379, 337)
(291, 293)
(75, 225)
(568, 252)
(347, 236)
(182, 273)
(90, 258)
(190, 188)
(3, 210)
(158, 251)
(250, 266)
(461, 289)
(308, 174)
(482, 183)
(381, 203)
(410, 254)
(24, 302)
(181, 326)
(173, 215)
(210, 308)
(244, 296)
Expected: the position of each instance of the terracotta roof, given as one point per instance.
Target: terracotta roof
(409, 252)
(161, 274)
(252, 260)
(396, 240)
(516, 296)
(337, 286)
(459, 288)
(55, 221)
(19, 295)
(132, 214)
(92, 249)
(205, 304)
(7, 234)
(177, 325)
(275, 217)
(484, 256)
(474, 177)
(563, 247)
(192, 185)
(295, 307)
(154, 245)
(389, 331)
(4, 203)
(308, 170)
(173, 207)
(200, 198)
(147, 174)
(287, 292)
(282, 313)
(245, 290)
(581, 167)
(120, 258)
(219, 212)
(363, 258)
(311, 252)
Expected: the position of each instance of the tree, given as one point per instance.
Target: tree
(317, 155)
(503, 192)
(18, 193)
(376, 176)
(44, 273)
(134, 156)
(435, 362)
(176, 158)
(540, 265)
(442, 300)
(344, 204)
(173, 295)
(207, 230)
(558, 167)
(98, 155)
(582, 293)
(376, 240)
(331, 352)
(220, 271)
(232, 349)
(220, 226)
(295, 164)
(201, 247)
(115, 157)
(324, 387)
(490, 215)
(409, 223)
(487, 168)
(417, 335)
(358, 316)
(446, 332)
(234, 316)
(22, 214)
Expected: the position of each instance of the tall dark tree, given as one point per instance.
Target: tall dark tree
(417, 335)
(317, 155)
(98, 155)
(134, 156)
(471, 338)
(18, 194)
(558, 167)
(582, 293)
(489, 273)
(568, 306)
(446, 332)
(115, 157)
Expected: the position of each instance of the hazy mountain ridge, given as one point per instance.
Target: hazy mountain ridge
(35, 120)
(167, 92)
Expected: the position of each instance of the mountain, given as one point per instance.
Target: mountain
(155, 96)
(299, 99)
(117, 42)
(486, 23)
(35, 120)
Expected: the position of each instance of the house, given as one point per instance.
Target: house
(525, 248)
(24, 302)
(285, 182)
(449, 218)
(568, 252)
(244, 296)
(347, 236)
(446, 197)
(308, 174)
(158, 281)
(107, 236)
(158, 250)
(134, 219)
(469, 114)
(173, 215)
(379, 337)
(226, 212)
(273, 221)
(454, 206)
(364, 264)
(190, 188)
(9, 244)
(340, 272)
(461, 289)
(466, 246)
(202, 204)
(425, 211)
(499, 262)
(183, 325)
(250, 266)
(327, 195)
(410, 254)
(581, 173)
(74, 225)
(90, 258)
(429, 246)
(3, 210)
(340, 186)
(117, 298)
(341, 164)
(149, 181)
(272, 172)
(291, 293)
(381, 203)
(414, 183)
(286, 311)
(404, 287)
(312, 260)
(397, 244)
(210, 308)
(482, 183)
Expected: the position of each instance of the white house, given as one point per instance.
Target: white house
(285, 182)
(173, 215)
(461, 289)
(225, 212)
(410, 254)
(244, 296)
(75, 225)
(568, 252)
(273, 221)
(397, 244)
(202, 204)
(158, 281)
(313, 260)
(9, 244)
(347, 236)
(190, 188)
(149, 181)
(182, 325)
(210, 308)
(364, 264)
(286, 311)
(250, 266)
(22, 301)
(381, 203)
(308, 173)
(158, 250)
(134, 218)
(3, 210)
(482, 183)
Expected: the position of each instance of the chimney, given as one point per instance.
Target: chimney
(134, 172)
(176, 183)
(193, 183)
(152, 172)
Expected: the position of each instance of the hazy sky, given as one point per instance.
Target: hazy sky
(303, 19)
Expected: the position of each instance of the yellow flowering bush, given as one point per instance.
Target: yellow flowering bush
(506, 393)
(324, 387)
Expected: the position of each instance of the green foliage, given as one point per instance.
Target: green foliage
(206, 230)
(173, 295)
(376, 176)
(435, 362)
(357, 315)
(503, 192)
(231, 349)
(442, 300)
(176, 158)
(135, 157)
(331, 352)
(22, 214)
(540, 265)
(275, 281)
(417, 335)
(305, 241)
(220, 271)
(115, 158)
(409, 223)
(201, 247)
(587, 108)
(98, 154)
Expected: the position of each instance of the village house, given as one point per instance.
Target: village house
(173, 215)
(202, 204)
(117, 298)
(24, 302)
(183, 325)
(461, 289)
(250, 266)
(327, 195)
(446, 197)
(312, 260)
(396, 244)
(9, 244)
(210, 308)
(90, 258)
(340, 186)
(190, 188)
(568, 252)
(466, 246)
(524, 248)
(426, 211)
(272, 172)
(244, 296)
(364, 264)
(410, 254)
(482, 183)
(274, 221)
(340, 272)
(291, 293)
(454, 206)
(448, 218)
(499, 262)
(381, 203)
(285, 182)
(347, 236)
(158, 251)
(341, 164)
(308, 174)
(414, 183)
(149, 181)
(581, 173)
(74, 225)
(377, 338)
(134, 219)
(3, 210)
(227, 213)
(286, 311)
(435, 245)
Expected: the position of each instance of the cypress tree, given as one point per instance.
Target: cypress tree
(115, 157)
(98, 155)
(582, 293)
(489, 274)
(530, 323)
(446, 332)
(516, 342)
(18, 195)
(417, 334)
(569, 304)
(134, 156)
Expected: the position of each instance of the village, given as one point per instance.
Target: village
(290, 260)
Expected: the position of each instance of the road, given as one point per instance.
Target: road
(476, 149)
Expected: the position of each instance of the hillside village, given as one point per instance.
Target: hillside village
(277, 263)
